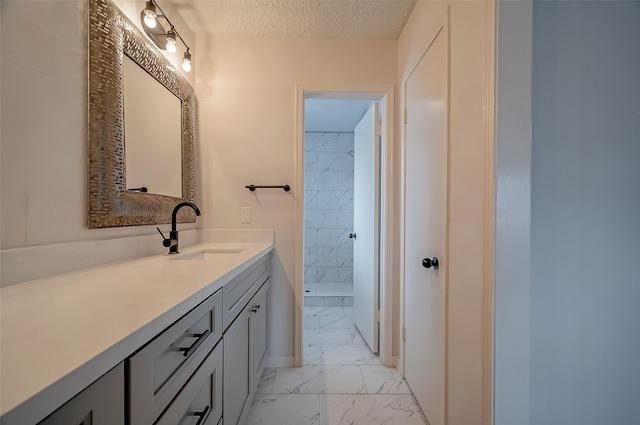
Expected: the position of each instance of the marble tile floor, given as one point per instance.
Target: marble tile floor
(341, 383)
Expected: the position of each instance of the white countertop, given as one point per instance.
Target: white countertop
(60, 334)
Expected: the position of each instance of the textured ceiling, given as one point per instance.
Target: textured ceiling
(361, 19)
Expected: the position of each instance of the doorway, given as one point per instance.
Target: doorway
(333, 289)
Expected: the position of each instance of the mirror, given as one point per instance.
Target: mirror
(152, 127)
(113, 41)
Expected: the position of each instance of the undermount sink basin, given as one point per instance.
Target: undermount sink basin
(209, 254)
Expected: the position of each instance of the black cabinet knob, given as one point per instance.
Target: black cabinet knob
(429, 263)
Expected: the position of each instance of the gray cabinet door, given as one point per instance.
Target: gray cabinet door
(236, 395)
(260, 349)
(101, 403)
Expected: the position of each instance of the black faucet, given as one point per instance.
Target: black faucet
(172, 241)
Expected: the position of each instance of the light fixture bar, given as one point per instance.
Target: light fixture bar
(172, 33)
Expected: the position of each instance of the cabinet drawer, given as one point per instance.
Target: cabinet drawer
(161, 368)
(102, 403)
(200, 401)
(239, 291)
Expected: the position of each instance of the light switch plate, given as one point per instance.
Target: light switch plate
(245, 215)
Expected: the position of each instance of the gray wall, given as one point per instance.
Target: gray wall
(585, 280)
(512, 213)
(328, 214)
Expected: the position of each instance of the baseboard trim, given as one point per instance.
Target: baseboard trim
(280, 361)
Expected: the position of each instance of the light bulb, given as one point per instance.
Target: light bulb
(186, 61)
(150, 19)
(171, 41)
(171, 45)
(150, 15)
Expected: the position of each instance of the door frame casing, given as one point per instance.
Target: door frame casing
(386, 96)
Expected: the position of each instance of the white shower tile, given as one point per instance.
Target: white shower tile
(312, 354)
(345, 180)
(344, 218)
(319, 379)
(321, 218)
(280, 409)
(343, 161)
(336, 322)
(329, 180)
(320, 257)
(324, 161)
(332, 301)
(310, 199)
(344, 257)
(310, 237)
(321, 142)
(310, 274)
(348, 355)
(311, 322)
(266, 381)
(384, 380)
(327, 274)
(327, 336)
(345, 142)
(311, 161)
(313, 180)
(324, 311)
(344, 274)
(314, 302)
(327, 199)
(335, 199)
(369, 409)
(330, 287)
(356, 338)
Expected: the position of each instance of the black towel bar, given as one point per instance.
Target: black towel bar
(253, 187)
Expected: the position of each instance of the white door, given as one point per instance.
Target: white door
(365, 227)
(426, 228)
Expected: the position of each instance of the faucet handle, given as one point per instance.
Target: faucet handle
(165, 242)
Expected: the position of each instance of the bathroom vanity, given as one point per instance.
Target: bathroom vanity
(171, 339)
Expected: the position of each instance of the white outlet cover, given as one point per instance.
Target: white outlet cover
(245, 215)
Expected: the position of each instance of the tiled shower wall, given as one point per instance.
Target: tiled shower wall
(328, 256)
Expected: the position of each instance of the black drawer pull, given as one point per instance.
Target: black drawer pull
(201, 337)
(203, 415)
(255, 308)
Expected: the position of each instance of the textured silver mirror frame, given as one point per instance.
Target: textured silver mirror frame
(110, 204)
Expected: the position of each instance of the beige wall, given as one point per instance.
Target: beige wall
(247, 98)
(44, 124)
(470, 154)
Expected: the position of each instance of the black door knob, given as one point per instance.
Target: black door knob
(352, 235)
(428, 263)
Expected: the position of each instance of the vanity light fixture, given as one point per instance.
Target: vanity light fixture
(164, 40)
(150, 14)
(171, 41)
(186, 61)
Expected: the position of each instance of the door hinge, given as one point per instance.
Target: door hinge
(405, 115)
(376, 316)
(378, 130)
(404, 333)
